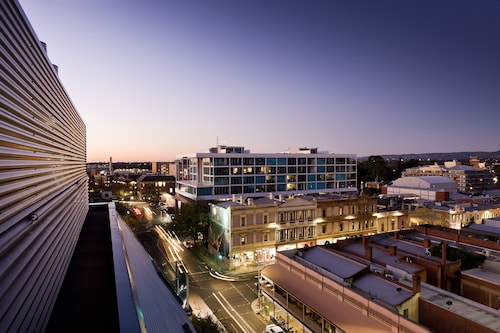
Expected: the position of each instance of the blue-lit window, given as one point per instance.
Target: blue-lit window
(311, 178)
(311, 186)
(321, 186)
(221, 180)
(340, 176)
(248, 189)
(204, 191)
(281, 179)
(281, 161)
(271, 161)
(321, 160)
(281, 187)
(260, 179)
(220, 161)
(321, 168)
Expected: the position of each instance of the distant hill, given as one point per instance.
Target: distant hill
(481, 155)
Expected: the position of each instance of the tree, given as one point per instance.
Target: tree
(205, 325)
(374, 169)
(190, 220)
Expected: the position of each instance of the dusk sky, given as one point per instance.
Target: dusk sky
(156, 79)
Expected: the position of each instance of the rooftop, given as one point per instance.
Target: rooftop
(112, 280)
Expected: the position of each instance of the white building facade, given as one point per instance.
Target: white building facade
(226, 171)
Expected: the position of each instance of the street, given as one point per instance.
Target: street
(227, 298)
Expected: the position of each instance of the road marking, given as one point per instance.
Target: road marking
(230, 310)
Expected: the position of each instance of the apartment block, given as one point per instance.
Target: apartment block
(225, 171)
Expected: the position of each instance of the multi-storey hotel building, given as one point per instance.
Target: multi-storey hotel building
(225, 171)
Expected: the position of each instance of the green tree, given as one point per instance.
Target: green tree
(374, 169)
(403, 165)
(468, 260)
(190, 220)
(205, 325)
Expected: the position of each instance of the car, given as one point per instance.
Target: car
(273, 329)
(188, 244)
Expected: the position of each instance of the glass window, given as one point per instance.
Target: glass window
(236, 189)
(248, 161)
(260, 179)
(271, 161)
(236, 180)
(260, 161)
(281, 161)
(220, 161)
(248, 189)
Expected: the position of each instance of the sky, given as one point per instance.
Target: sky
(157, 79)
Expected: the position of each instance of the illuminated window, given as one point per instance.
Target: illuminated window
(243, 240)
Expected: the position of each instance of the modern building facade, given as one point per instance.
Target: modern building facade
(43, 187)
(231, 170)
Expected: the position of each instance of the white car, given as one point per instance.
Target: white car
(273, 329)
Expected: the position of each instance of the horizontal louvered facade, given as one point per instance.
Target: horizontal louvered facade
(43, 182)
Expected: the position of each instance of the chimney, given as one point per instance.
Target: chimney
(393, 250)
(368, 253)
(427, 243)
(234, 198)
(416, 283)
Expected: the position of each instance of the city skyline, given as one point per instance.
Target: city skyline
(157, 79)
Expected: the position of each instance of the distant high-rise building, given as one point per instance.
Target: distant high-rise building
(227, 171)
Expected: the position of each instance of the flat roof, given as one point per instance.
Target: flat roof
(112, 283)
(476, 312)
(339, 265)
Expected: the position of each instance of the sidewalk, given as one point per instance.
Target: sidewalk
(202, 253)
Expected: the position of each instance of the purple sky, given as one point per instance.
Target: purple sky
(157, 79)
